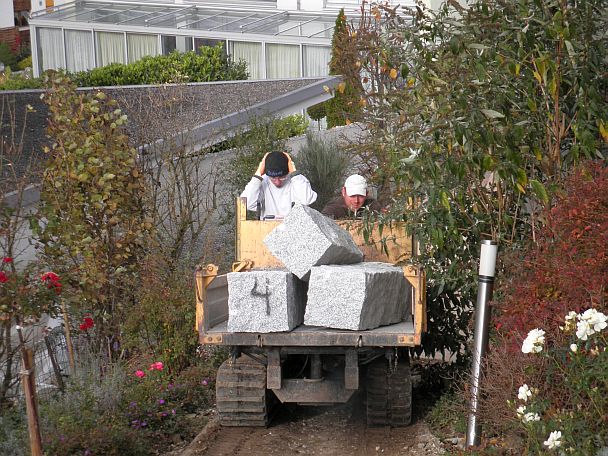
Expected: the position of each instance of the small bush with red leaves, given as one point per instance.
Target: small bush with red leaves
(566, 270)
(568, 267)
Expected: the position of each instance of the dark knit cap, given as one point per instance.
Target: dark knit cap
(276, 164)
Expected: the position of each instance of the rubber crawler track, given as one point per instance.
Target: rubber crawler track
(241, 393)
(389, 394)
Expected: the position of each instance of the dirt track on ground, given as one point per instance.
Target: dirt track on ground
(330, 430)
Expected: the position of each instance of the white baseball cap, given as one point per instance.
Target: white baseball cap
(356, 185)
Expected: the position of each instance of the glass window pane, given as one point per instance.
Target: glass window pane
(316, 60)
(282, 61)
(139, 46)
(50, 49)
(110, 48)
(176, 43)
(79, 50)
(250, 53)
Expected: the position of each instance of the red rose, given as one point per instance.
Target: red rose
(49, 276)
(7, 260)
(3, 277)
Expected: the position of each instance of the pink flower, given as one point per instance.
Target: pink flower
(7, 260)
(140, 374)
(205, 382)
(157, 366)
(3, 277)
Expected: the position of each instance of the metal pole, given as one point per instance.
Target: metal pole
(487, 265)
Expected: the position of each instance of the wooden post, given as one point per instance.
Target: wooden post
(68, 338)
(28, 381)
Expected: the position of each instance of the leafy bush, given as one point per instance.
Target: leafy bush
(566, 270)
(317, 112)
(13, 432)
(7, 57)
(125, 409)
(12, 81)
(209, 64)
(325, 165)
(25, 63)
(462, 119)
(344, 107)
(162, 321)
(564, 403)
(92, 225)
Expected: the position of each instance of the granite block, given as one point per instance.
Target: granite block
(265, 301)
(358, 296)
(307, 238)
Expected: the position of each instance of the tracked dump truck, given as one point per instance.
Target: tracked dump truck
(311, 364)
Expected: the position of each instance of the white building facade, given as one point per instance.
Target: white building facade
(277, 38)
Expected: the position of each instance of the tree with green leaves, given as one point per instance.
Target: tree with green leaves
(344, 107)
(477, 118)
(92, 226)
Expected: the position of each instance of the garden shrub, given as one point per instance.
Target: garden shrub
(325, 165)
(208, 64)
(134, 408)
(565, 271)
(92, 225)
(344, 107)
(162, 321)
(12, 81)
(568, 268)
(25, 63)
(7, 57)
(477, 120)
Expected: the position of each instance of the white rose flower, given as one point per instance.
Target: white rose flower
(570, 321)
(554, 440)
(584, 330)
(524, 393)
(597, 320)
(530, 416)
(533, 343)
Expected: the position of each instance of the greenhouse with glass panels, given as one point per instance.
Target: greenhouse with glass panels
(275, 44)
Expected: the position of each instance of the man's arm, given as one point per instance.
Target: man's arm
(301, 191)
(252, 192)
(335, 209)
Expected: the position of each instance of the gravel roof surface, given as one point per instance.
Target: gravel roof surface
(154, 112)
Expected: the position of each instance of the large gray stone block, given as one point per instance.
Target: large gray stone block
(358, 296)
(265, 301)
(307, 238)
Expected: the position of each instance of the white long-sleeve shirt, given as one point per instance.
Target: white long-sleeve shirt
(277, 201)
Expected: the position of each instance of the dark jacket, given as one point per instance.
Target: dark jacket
(337, 209)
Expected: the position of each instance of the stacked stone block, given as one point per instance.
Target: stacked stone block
(265, 301)
(358, 297)
(307, 238)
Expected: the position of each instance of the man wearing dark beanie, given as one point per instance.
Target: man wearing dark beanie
(276, 186)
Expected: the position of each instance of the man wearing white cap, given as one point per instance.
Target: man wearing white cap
(353, 198)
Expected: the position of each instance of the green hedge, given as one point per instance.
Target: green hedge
(209, 64)
(206, 65)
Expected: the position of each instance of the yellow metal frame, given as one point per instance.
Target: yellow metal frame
(387, 244)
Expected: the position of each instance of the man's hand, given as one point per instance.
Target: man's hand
(262, 166)
(291, 167)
